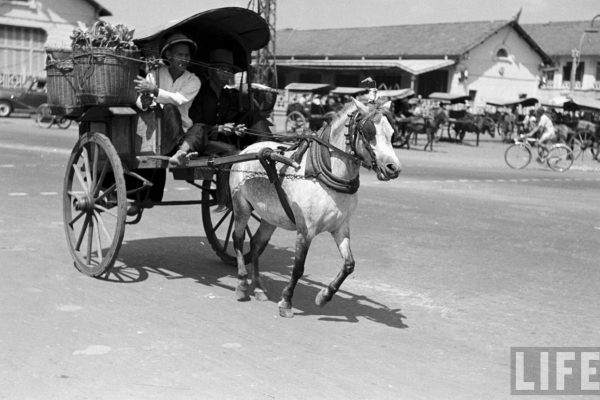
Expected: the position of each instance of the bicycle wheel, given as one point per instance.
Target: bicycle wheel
(560, 158)
(517, 156)
(63, 123)
(44, 117)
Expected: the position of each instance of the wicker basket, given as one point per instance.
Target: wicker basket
(105, 76)
(61, 85)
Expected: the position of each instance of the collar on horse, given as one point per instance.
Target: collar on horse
(318, 162)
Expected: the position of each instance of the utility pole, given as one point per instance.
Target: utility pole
(576, 54)
(266, 69)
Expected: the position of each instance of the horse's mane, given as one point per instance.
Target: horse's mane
(349, 107)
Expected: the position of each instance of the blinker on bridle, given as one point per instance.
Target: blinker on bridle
(362, 128)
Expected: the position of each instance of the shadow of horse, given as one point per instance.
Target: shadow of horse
(188, 258)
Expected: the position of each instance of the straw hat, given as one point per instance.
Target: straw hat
(178, 38)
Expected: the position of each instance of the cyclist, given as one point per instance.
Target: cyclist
(544, 127)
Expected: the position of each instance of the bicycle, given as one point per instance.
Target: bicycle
(45, 118)
(559, 157)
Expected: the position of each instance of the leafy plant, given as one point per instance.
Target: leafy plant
(103, 35)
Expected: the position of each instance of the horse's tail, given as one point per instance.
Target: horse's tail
(223, 195)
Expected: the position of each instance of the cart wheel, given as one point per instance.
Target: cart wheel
(44, 117)
(63, 123)
(560, 158)
(218, 226)
(517, 156)
(94, 204)
(295, 122)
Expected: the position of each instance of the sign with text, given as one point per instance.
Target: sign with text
(555, 370)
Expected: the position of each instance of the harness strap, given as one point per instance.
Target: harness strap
(271, 170)
(318, 165)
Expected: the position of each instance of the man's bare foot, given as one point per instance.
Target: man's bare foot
(178, 159)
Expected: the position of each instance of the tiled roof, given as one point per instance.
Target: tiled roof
(559, 38)
(415, 41)
(102, 12)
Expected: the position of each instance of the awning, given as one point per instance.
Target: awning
(414, 67)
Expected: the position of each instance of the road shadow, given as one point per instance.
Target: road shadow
(192, 258)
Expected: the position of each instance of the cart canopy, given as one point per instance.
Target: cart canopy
(397, 94)
(525, 102)
(316, 88)
(237, 29)
(349, 91)
(449, 98)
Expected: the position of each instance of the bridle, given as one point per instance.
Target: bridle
(363, 129)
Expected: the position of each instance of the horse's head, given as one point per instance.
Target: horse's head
(371, 137)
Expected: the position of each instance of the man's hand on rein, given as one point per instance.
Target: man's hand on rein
(143, 86)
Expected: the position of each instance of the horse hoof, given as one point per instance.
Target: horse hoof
(260, 295)
(286, 312)
(321, 298)
(242, 294)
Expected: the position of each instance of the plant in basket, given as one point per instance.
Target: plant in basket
(106, 64)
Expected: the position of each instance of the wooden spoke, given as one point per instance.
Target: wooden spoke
(94, 241)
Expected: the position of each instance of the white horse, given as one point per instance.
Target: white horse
(358, 134)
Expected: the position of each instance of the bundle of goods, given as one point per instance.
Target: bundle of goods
(106, 61)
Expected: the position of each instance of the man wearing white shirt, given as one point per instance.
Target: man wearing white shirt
(175, 86)
(172, 88)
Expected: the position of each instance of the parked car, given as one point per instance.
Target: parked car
(26, 98)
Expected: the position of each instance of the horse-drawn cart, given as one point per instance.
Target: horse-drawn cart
(104, 174)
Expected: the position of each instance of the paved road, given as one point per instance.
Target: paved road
(457, 260)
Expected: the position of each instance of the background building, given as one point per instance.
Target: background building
(486, 60)
(559, 40)
(28, 26)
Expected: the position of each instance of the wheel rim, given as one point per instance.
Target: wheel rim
(218, 226)
(94, 214)
(560, 158)
(63, 122)
(44, 117)
(4, 109)
(295, 122)
(517, 156)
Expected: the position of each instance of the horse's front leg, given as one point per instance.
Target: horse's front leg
(241, 217)
(302, 245)
(342, 239)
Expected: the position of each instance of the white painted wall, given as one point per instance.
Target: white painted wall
(500, 78)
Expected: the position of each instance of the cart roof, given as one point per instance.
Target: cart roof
(396, 94)
(318, 88)
(525, 102)
(348, 90)
(235, 28)
(583, 104)
(449, 97)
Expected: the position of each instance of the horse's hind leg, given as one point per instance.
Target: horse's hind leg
(285, 305)
(257, 244)
(342, 239)
(242, 212)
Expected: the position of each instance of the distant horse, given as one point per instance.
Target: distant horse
(474, 123)
(316, 203)
(413, 126)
